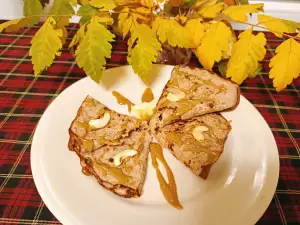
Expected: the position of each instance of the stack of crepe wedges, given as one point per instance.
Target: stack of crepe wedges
(98, 144)
(186, 121)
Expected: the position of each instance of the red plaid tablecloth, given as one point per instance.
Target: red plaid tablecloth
(24, 98)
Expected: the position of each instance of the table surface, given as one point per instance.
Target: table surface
(24, 97)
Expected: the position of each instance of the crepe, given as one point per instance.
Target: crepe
(197, 155)
(200, 92)
(98, 147)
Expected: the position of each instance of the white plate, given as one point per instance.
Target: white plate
(238, 190)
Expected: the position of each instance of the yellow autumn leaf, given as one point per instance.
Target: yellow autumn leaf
(170, 31)
(145, 51)
(161, 26)
(125, 21)
(239, 12)
(62, 7)
(278, 26)
(213, 44)
(182, 19)
(130, 43)
(8, 24)
(61, 24)
(103, 5)
(64, 36)
(285, 65)
(63, 21)
(45, 45)
(78, 36)
(139, 16)
(212, 10)
(94, 48)
(15, 27)
(125, 2)
(246, 53)
(106, 19)
(195, 29)
(74, 3)
(146, 3)
(142, 10)
(204, 3)
(231, 41)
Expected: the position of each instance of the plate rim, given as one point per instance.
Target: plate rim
(54, 206)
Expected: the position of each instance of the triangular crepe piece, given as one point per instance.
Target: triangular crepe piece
(197, 152)
(194, 92)
(98, 146)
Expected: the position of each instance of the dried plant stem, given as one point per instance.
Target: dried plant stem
(84, 14)
(226, 18)
(259, 26)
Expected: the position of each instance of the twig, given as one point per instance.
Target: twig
(256, 25)
(226, 18)
(87, 14)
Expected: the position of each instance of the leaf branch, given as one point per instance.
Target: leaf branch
(226, 18)
(262, 27)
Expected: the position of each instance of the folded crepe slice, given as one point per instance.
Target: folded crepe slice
(194, 92)
(112, 147)
(197, 142)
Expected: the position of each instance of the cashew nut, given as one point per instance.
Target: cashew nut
(122, 155)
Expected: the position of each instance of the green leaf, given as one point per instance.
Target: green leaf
(33, 8)
(86, 9)
(86, 12)
(222, 67)
(45, 45)
(94, 48)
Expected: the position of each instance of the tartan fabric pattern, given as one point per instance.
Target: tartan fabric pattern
(24, 98)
